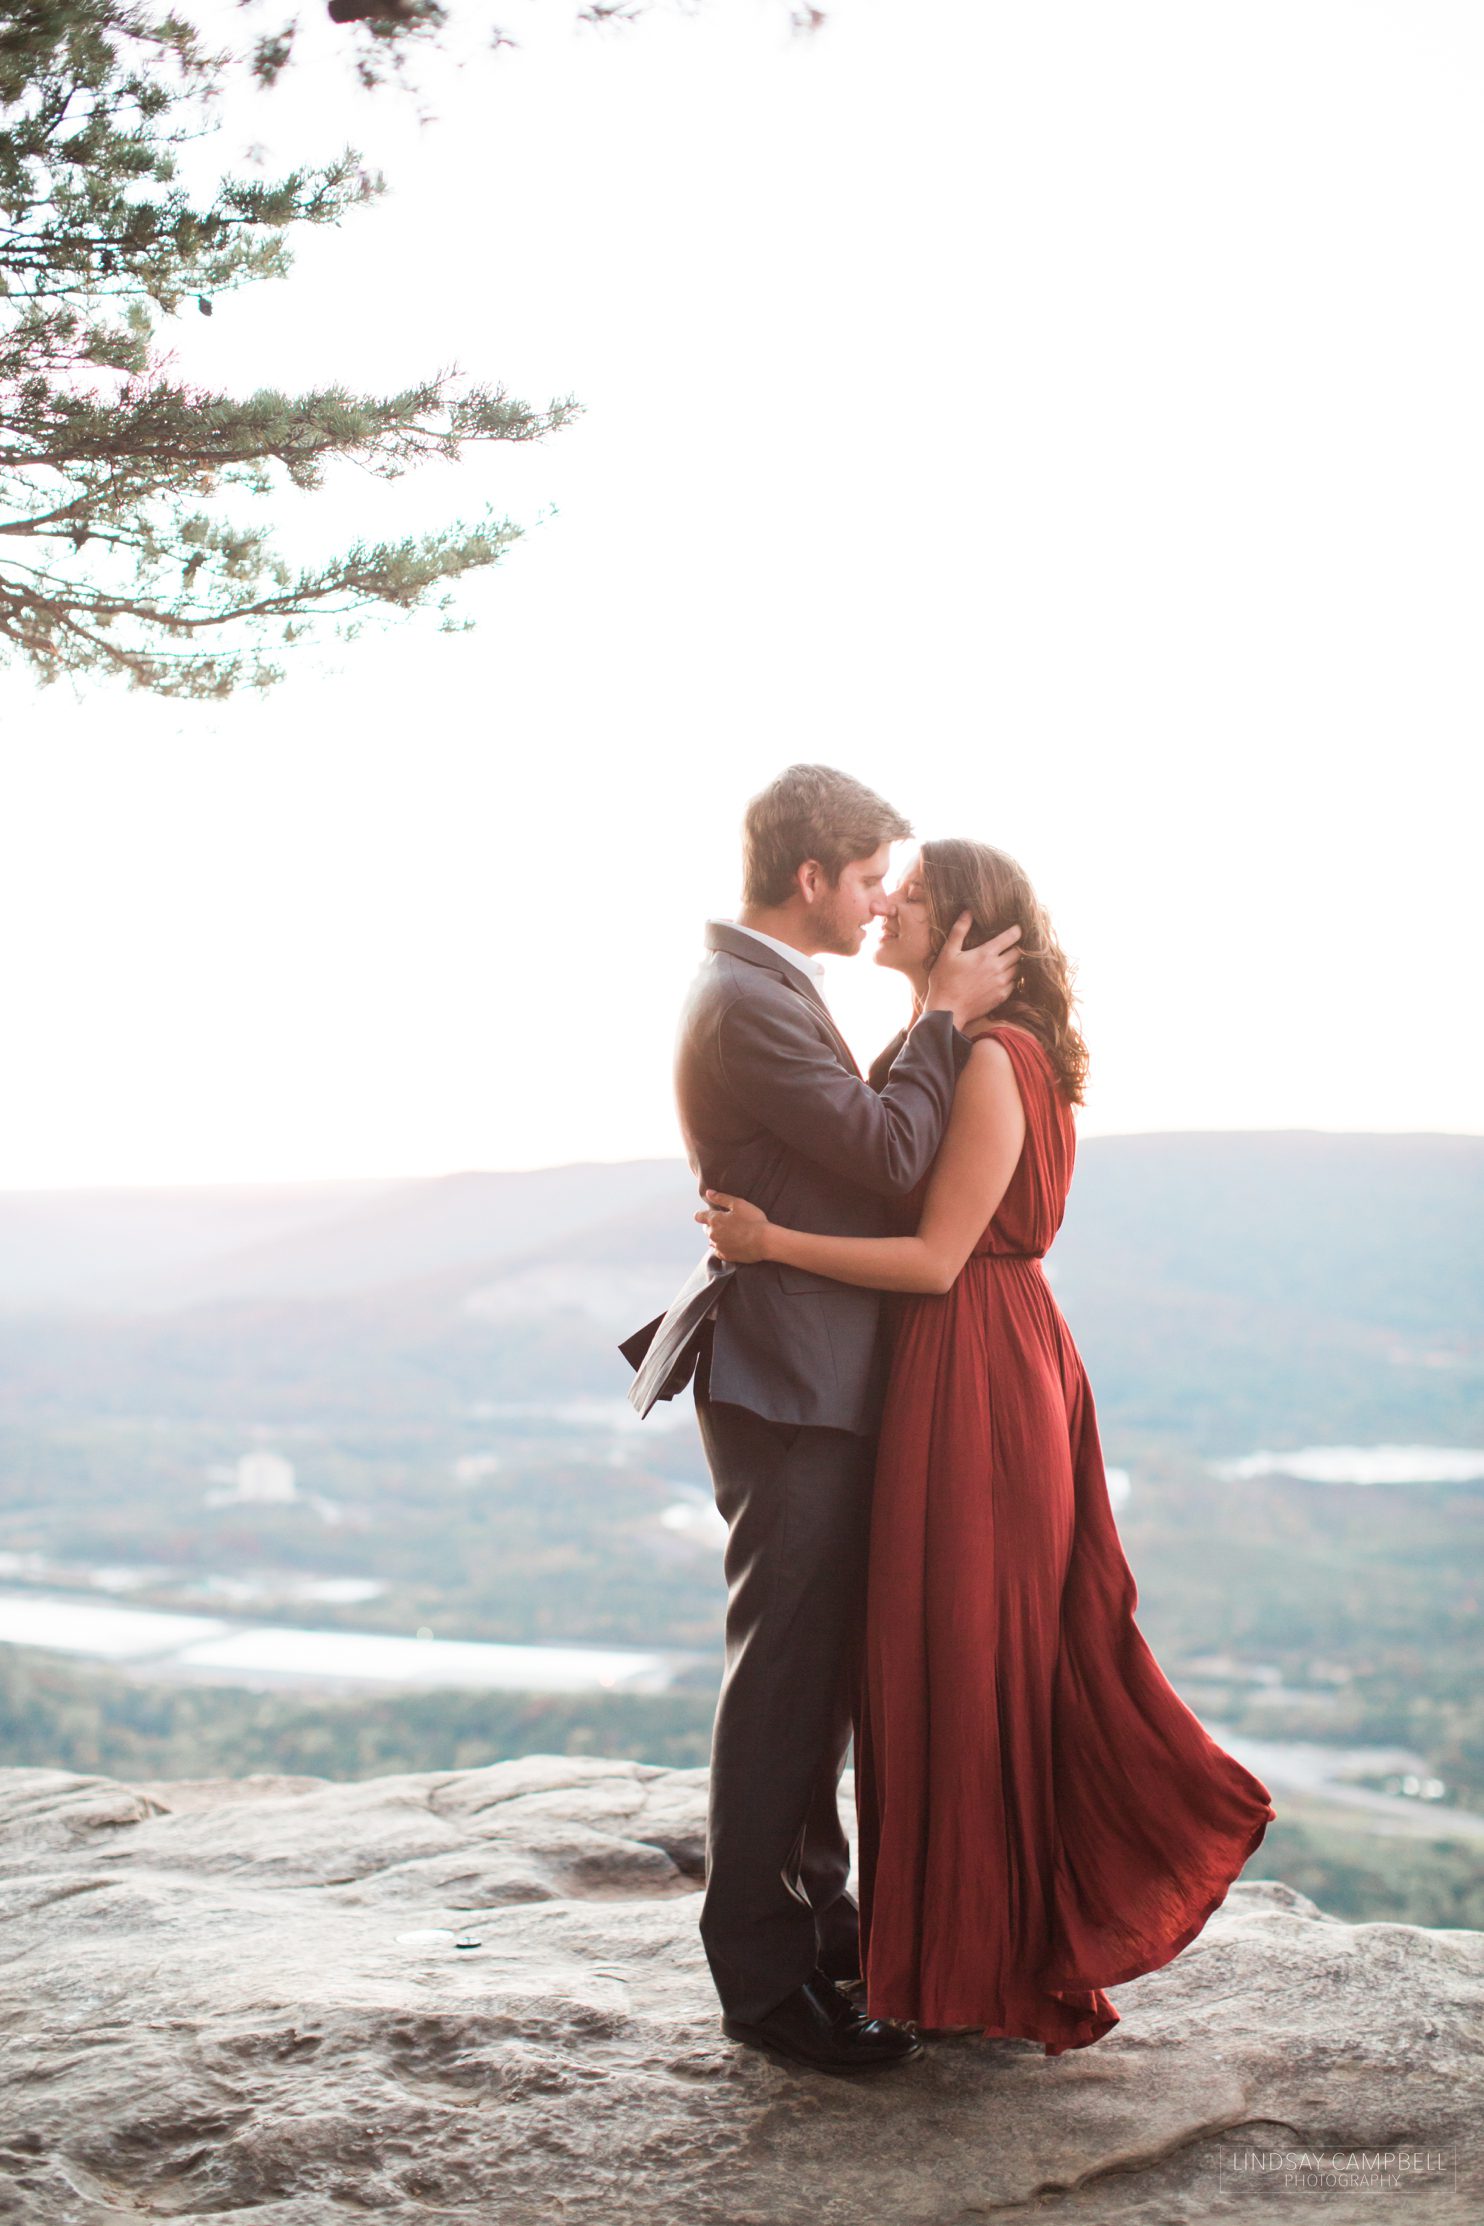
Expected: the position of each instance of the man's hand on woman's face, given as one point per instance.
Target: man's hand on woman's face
(968, 983)
(738, 1231)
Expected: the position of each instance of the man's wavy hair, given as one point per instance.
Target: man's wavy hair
(810, 811)
(971, 877)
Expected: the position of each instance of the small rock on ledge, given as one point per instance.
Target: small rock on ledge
(247, 1999)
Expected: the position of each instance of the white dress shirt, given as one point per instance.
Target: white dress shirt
(804, 960)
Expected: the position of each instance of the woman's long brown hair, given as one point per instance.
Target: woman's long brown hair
(971, 877)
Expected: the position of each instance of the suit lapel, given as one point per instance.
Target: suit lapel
(737, 943)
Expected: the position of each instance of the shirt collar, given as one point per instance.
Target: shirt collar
(803, 960)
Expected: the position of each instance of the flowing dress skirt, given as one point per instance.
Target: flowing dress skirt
(1041, 1816)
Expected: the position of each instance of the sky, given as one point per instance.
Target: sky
(1064, 418)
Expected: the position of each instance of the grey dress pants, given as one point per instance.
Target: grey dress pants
(797, 1506)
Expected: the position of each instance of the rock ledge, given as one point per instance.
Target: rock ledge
(248, 1999)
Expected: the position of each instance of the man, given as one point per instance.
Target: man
(789, 1379)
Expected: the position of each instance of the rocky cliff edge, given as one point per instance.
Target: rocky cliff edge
(480, 1995)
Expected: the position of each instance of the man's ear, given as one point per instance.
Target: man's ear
(808, 879)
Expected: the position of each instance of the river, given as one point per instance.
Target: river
(227, 1651)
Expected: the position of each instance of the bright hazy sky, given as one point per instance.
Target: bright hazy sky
(1065, 417)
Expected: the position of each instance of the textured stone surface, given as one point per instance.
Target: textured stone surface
(244, 1999)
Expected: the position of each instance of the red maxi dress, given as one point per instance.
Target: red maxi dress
(1041, 1815)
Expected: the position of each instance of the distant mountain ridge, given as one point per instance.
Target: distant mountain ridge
(163, 1248)
(1225, 1288)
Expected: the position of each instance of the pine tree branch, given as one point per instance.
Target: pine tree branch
(110, 470)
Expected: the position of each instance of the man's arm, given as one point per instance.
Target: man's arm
(973, 1170)
(781, 1068)
(884, 1061)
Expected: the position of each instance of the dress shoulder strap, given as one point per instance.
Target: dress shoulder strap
(1024, 1048)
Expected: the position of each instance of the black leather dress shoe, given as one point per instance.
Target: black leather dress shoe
(815, 2025)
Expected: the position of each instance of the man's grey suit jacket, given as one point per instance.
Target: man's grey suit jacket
(774, 1109)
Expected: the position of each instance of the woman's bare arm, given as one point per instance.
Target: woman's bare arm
(971, 1174)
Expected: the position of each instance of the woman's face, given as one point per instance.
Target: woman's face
(907, 931)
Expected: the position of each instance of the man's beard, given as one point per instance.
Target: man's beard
(834, 931)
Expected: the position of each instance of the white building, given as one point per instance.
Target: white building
(265, 1476)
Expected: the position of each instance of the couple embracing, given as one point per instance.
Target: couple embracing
(921, 1556)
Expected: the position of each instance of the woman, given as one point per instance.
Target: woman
(1041, 1816)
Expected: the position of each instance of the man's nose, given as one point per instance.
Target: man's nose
(883, 907)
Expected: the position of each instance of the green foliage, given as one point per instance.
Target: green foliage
(1378, 1586)
(114, 555)
(566, 1549)
(1364, 1603)
(1352, 1873)
(55, 1717)
(384, 33)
